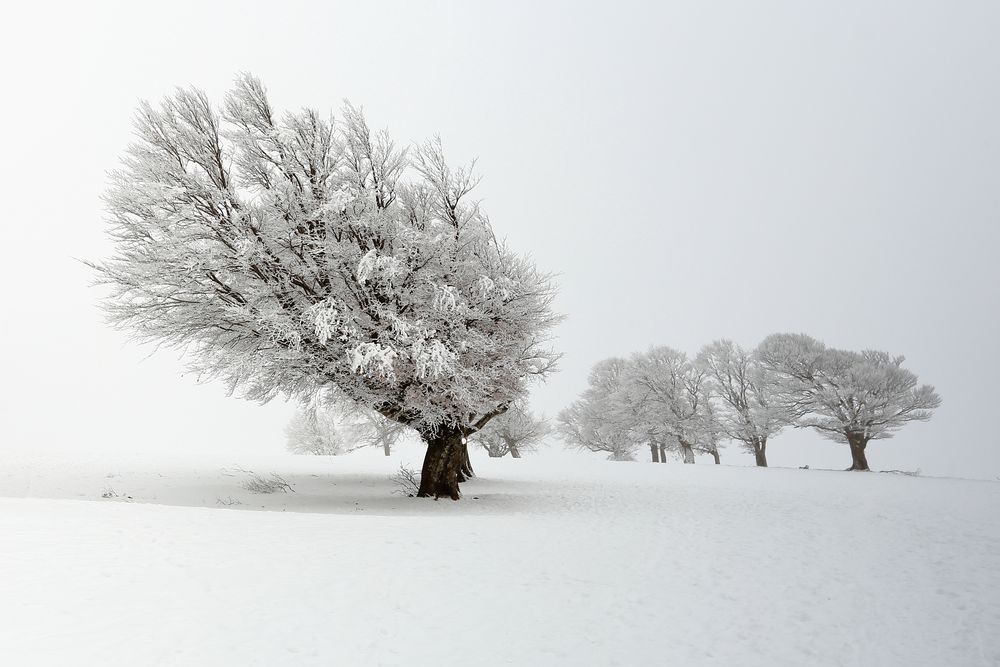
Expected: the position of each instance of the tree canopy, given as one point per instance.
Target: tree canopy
(289, 254)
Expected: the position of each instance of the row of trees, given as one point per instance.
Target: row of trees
(329, 430)
(666, 401)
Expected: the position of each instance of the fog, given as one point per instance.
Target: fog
(690, 170)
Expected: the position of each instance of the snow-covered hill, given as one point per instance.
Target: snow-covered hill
(551, 560)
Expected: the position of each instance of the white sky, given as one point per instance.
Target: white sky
(692, 170)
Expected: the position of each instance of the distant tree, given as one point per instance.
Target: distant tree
(670, 397)
(592, 421)
(714, 435)
(658, 398)
(750, 411)
(712, 448)
(631, 416)
(361, 427)
(515, 432)
(288, 254)
(849, 397)
(313, 431)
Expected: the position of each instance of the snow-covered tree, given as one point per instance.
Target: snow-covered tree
(713, 434)
(657, 398)
(288, 253)
(669, 396)
(592, 422)
(849, 397)
(749, 410)
(515, 432)
(313, 431)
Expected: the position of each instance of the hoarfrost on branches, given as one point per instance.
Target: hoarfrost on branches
(669, 400)
(750, 411)
(373, 359)
(289, 254)
(327, 321)
(432, 358)
(591, 422)
(657, 398)
(313, 430)
(850, 397)
(445, 298)
(374, 266)
(515, 432)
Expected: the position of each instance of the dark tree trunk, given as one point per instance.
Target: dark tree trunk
(715, 455)
(688, 452)
(654, 451)
(465, 471)
(663, 453)
(515, 452)
(387, 447)
(760, 452)
(445, 457)
(858, 443)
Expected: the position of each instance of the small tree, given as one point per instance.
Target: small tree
(313, 431)
(288, 254)
(590, 422)
(850, 397)
(750, 411)
(361, 427)
(515, 432)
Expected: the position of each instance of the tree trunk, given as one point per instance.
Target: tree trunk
(857, 443)
(515, 452)
(387, 447)
(688, 452)
(654, 452)
(715, 455)
(465, 471)
(760, 452)
(443, 461)
(663, 453)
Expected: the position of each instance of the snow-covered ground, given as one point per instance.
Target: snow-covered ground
(549, 560)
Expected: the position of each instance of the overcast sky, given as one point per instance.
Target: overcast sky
(691, 170)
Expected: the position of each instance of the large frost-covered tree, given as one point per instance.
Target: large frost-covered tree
(750, 411)
(849, 397)
(515, 432)
(291, 253)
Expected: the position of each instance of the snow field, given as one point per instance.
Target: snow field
(546, 561)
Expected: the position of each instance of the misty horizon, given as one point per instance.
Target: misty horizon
(688, 174)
